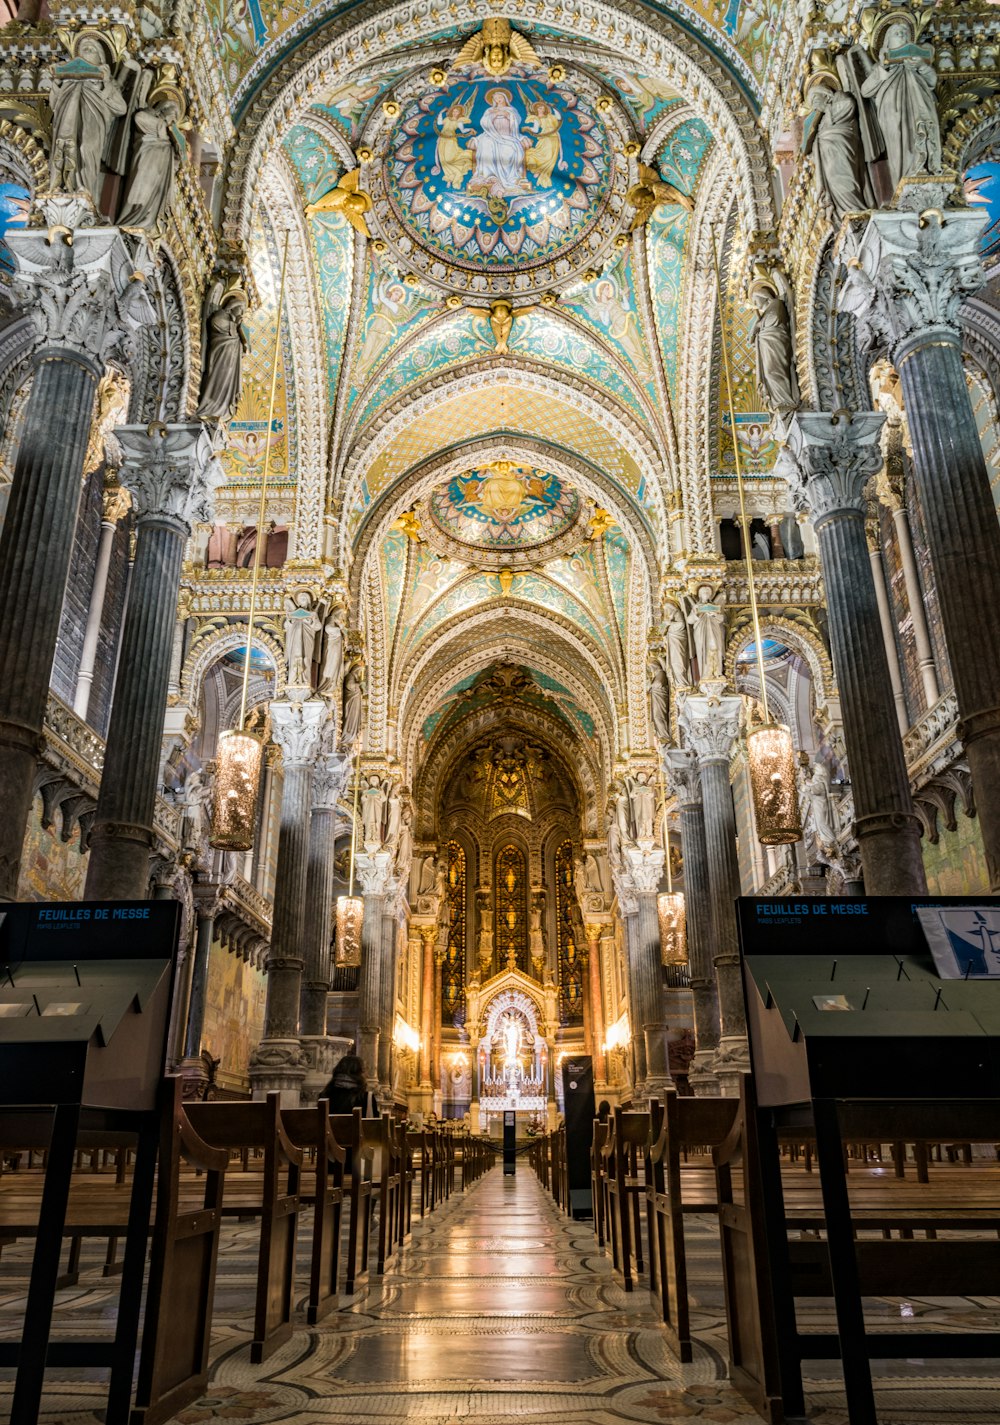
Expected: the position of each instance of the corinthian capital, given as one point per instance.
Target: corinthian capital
(711, 724)
(171, 472)
(81, 287)
(297, 729)
(641, 870)
(329, 780)
(909, 273)
(375, 873)
(832, 459)
(681, 768)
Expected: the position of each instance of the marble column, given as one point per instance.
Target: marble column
(387, 989)
(328, 781)
(428, 936)
(685, 782)
(117, 503)
(192, 1067)
(889, 490)
(440, 954)
(834, 458)
(593, 931)
(374, 873)
(171, 473)
(84, 295)
(885, 619)
(640, 876)
(906, 281)
(277, 1062)
(712, 721)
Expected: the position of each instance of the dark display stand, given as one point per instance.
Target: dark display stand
(578, 1100)
(854, 1037)
(85, 992)
(509, 1143)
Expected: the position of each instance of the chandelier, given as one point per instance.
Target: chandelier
(769, 747)
(350, 908)
(670, 908)
(238, 757)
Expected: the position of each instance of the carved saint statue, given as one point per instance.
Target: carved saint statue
(333, 656)
(774, 345)
(642, 804)
(678, 651)
(196, 796)
(832, 135)
(659, 700)
(404, 846)
(302, 626)
(84, 99)
(225, 341)
(901, 88)
(354, 694)
(373, 799)
(425, 884)
(708, 628)
(822, 809)
(160, 148)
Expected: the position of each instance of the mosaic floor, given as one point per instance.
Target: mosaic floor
(499, 1310)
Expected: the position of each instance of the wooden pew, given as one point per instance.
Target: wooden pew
(309, 1129)
(601, 1129)
(272, 1194)
(770, 1225)
(624, 1156)
(380, 1136)
(347, 1130)
(679, 1126)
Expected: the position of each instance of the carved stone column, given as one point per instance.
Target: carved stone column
(685, 783)
(277, 1062)
(885, 619)
(712, 721)
(117, 503)
(889, 486)
(387, 989)
(594, 931)
(906, 282)
(193, 1070)
(640, 877)
(834, 457)
(374, 873)
(171, 473)
(428, 935)
(440, 954)
(328, 781)
(81, 289)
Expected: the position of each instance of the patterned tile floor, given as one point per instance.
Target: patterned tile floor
(499, 1309)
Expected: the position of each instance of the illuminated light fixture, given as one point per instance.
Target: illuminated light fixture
(350, 908)
(670, 908)
(239, 753)
(769, 747)
(619, 1034)
(404, 1036)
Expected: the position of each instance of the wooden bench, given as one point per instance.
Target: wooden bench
(309, 1129)
(678, 1127)
(770, 1225)
(270, 1193)
(625, 1188)
(347, 1129)
(597, 1196)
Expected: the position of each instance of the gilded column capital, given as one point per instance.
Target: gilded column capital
(171, 472)
(832, 457)
(908, 273)
(80, 285)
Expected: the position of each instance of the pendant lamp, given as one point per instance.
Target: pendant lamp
(350, 908)
(670, 908)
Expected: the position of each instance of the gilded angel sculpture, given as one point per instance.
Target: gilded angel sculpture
(497, 47)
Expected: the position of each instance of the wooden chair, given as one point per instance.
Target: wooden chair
(309, 1129)
(272, 1194)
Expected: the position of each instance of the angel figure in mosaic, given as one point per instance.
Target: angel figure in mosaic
(546, 152)
(497, 47)
(450, 158)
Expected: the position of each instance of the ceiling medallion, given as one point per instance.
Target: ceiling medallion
(502, 514)
(499, 182)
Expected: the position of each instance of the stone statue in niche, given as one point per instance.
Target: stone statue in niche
(393, 814)
(354, 694)
(84, 98)
(642, 806)
(302, 626)
(332, 667)
(831, 135)
(425, 885)
(901, 88)
(196, 797)
(373, 805)
(774, 340)
(659, 700)
(821, 809)
(536, 932)
(404, 846)
(708, 629)
(678, 653)
(161, 146)
(224, 342)
(485, 947)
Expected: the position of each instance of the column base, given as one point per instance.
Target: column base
(732, 1060)
(120, 855)
(321, 1053)
(278, 1064)
(701, 1075)
(368, 1054)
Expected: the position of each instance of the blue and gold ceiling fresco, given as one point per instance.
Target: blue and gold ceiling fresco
(504, 506)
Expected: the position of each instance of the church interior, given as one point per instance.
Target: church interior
(499, 571)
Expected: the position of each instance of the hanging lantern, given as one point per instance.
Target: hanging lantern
(350, 915)
(237, 776)
(673, 927)
(772, 781)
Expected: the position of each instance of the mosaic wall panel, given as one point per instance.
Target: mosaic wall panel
(235, 995)
(51, 869)
(956, 866)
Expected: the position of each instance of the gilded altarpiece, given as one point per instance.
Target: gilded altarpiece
(570, 960)
(510, 890)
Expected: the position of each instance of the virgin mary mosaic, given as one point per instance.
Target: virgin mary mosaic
(509, 170)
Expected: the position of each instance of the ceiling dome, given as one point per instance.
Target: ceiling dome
(505, 509)
(499, 184)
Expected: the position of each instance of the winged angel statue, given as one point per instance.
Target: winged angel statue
(497, 47)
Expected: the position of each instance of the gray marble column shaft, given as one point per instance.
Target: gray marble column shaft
(369, 985)
(835, 457)
(906, 281)
(115, 507)
(631, 921)
(387, 993)
(685, 782)
(885, 619)
(199, 983)
(80, 290)
(319, 921)
(638, 881)
(724, 879)
(171, 473)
